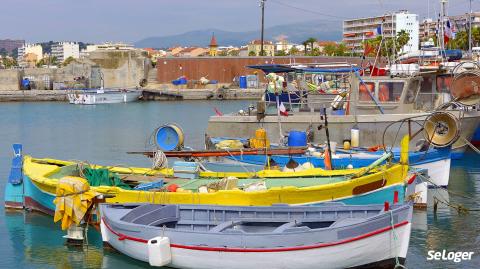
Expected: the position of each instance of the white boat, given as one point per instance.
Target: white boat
(332, 235)
(103, 96)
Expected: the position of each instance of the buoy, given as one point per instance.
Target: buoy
(346, 144)
(355, 137)
(350, 166)
(169, 137)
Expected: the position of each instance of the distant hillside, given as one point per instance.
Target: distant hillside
(296, 33)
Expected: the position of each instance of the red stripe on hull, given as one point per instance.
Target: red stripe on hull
(31, 204)
(13, 205)
(141, 240)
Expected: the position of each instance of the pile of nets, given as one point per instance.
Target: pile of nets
(103, 177)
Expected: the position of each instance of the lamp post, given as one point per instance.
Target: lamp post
(262, 5)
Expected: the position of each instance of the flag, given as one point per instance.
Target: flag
(217, 112)
(378, 31)
(448, 33)
(283, 111)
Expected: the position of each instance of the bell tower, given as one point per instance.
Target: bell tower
(213, 46)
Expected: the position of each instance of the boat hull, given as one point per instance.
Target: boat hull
(437, 162)
(38, 199)
(368, 251)
(37, 191)
(103, 98)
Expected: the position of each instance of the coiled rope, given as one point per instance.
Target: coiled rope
(159, 160)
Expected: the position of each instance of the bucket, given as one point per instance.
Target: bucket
(297, 139)
(243, 82)
(169, 137)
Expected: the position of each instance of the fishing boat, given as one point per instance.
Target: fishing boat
(103, 96)
(198, 236)
(435, 160)
(371, 104)
(33, 183)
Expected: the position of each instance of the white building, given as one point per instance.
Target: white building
(64, 50)
(283, 45)
(355, 31)
(35, 49)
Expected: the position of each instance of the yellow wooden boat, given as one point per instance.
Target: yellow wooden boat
(41, 176)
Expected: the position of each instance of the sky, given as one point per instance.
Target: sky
(133, 20)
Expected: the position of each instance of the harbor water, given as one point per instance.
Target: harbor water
(104, 133)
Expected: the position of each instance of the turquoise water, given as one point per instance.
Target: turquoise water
(102, 134)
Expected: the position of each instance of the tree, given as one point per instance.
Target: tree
(390, 47)
(3, 52)
(293, 51)
(252, 53)
(14, 53)
(68, 61)
(311, 41)
(9, 62)
(234, 52)
(315, 52)
(305, 45)
(280, 53)
(330, 49)
(461, 39)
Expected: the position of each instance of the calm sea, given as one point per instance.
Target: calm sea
(102, 134)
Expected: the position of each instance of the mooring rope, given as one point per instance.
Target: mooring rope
(395, 241)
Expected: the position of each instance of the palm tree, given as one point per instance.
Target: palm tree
(311, 41)
(305, 44)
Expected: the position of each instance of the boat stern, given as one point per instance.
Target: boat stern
(14, 194)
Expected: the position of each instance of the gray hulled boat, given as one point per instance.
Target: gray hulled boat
(331, 235)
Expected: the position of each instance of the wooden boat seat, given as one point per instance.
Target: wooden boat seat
(153, 215)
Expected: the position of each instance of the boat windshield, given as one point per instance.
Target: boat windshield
(384, 91)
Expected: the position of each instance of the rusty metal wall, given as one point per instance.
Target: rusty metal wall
(224, 69)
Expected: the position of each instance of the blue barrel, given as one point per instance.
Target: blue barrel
(169, 137)
(243, 82)
(297, 139)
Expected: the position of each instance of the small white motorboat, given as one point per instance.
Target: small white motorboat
(103, 96)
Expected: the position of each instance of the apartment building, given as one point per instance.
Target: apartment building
(355, 31)
(64, 50)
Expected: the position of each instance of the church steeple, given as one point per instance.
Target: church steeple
(213, 45)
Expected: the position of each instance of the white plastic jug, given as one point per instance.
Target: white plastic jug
(159, 253)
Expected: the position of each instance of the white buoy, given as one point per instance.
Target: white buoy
(350, 166)
(355, 137)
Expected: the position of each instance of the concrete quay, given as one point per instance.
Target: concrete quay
(148, 95)
(202, 94)
(33, 95)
